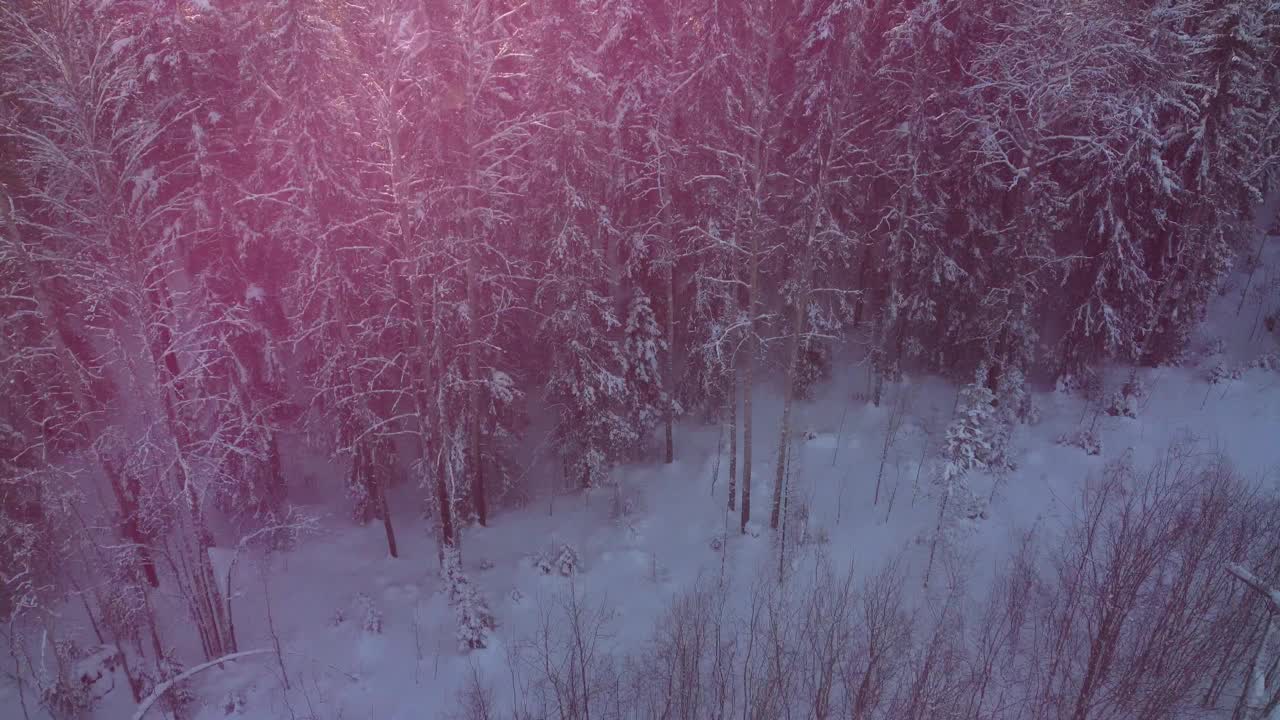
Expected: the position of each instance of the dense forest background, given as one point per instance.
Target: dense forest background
(409, 230)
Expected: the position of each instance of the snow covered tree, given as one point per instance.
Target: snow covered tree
(475, 620)
(1122, 192)
(579, 229)
(662, 60)
(925, 273)
(1219, 154)
(484, 134)
(106, 180)
(587, 367)
(743, 150)
(976, 441)
(642, 348)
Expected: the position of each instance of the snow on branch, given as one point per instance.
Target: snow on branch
(1253, 581)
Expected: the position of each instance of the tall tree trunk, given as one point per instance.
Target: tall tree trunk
(793, 366)
(669, 370)
(732, 393)
(385, 508)
(373, 472)
(413, 297)
(470, 236)
(448, 538)
(668, 281)
(474, 450)
(784, 428)
(275, 476)
(862, 284)
(788, 402)
(208, 596)
(748, 379)
(126, 497)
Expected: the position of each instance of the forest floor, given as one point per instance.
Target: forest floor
(654, 536)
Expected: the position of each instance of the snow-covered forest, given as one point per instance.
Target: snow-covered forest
(528, 359)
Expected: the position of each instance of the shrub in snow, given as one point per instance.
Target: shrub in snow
(1086, 383)
(74, 694)
(1214, 348)
(339, 616)
(362, 506)
(658, 572)
(1125, 401)
(1270, 361)
(1032, 416)
(233, 703)
(541, 562)
(372, 616)
(1083, 438)
(475, 620)
(1220, 373)
(813, 366)
(66, 698)
(822, 536)
(798, 523)
(1121, 405)
(562, 560)
(622, 504)
(486, 564)
(179, 696)
(567, 562)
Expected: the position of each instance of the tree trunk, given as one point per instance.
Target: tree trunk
(385, 509)
(210, 605)
(276, 488)
(473, 394)
(748, 378)
(793, 365)
(471, 237)
(126, 498)
(784, 430)
(374, 476)
(411, 295)
(669, 371)
(448, 540)
(733, 437)
(937, 533)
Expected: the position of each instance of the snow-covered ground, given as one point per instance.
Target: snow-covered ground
(367, 636)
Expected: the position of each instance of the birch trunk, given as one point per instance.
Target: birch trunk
(748, 379)
(733, 437)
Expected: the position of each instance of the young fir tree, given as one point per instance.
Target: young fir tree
(971, 444)
(475, 619)
(642, 348)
